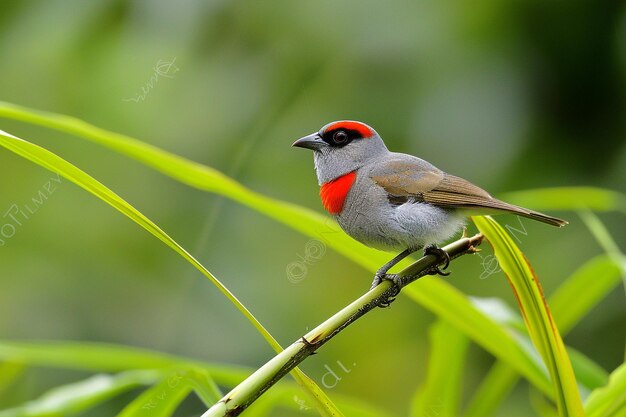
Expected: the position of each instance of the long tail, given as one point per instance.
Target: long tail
(531, 214)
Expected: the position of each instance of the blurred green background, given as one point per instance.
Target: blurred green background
(510, 95)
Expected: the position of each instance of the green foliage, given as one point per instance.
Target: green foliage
(609, 401)
(58, 165)
(440, 395)
(79, 396)
(162, 399)
(154, 367)
(572, 301)
(464, 320)
(541, 327)
(569, 198)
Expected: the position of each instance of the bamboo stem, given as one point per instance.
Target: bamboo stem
(244, 394)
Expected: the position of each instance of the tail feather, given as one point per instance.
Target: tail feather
(531, 214)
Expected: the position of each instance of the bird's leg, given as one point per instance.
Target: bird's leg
(381, 274)
(441, 254)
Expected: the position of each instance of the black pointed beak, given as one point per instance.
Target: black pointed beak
(312, 141)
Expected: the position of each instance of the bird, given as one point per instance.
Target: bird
(394, 201)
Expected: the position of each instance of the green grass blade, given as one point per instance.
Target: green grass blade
(204, 386)
(98, 357)
(54, 163)
(582, 291)
(161, 400)
(58, 165)
(449, 303)
(498, 383)
(202, 177)
(541, 327)
(80, 396)
(599, 231)
(542, 406)
(604, 238)
(440, 395)
(589, 374)
(485, 331)
(101, 357)
(287, 397)
(609, 401)
(568, 198)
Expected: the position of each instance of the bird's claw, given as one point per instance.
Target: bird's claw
(396, 287)
(440, 254)
(377, 280)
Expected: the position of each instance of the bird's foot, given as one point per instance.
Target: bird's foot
(396, 287)
(441, 254)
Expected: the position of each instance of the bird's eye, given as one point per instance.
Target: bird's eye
(340, 137)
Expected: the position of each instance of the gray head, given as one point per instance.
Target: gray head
(342, 147)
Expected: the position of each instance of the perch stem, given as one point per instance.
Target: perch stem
(244, 394)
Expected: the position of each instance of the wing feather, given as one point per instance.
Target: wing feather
(418, 180)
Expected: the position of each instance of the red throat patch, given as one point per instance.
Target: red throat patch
(334, 192)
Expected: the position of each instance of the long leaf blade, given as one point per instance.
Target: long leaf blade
(582, 291)
(440, 395)
(160, 400)
(609, 401)
(54, 163)
(58, 165)
(485, 331)
(449, 303)
(541, 327)
(568, 198)
(80, 396)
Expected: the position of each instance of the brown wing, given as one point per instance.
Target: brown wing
(457, 192)
(400, 179)
(416, 179)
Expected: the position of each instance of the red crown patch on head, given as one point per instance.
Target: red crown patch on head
(362, 128)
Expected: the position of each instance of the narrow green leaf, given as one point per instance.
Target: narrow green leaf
(584, 289)
(440, 395)
(542, 407)
(609, 401)
(589, 374)
(204, 386)
(58, 165)
(498, 383)
(54, 163)
(290, 397)
(80, 396)
(201, 177)
(541, 328)
(437, 295)
(306, 221)
(490, 335)
(162, 399)
(568, 198)
(500, 311)
(102, 357)
(602, 235)
(84, 356)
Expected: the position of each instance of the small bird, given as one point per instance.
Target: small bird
(394, 201)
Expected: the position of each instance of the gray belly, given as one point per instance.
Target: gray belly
(370, 218)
